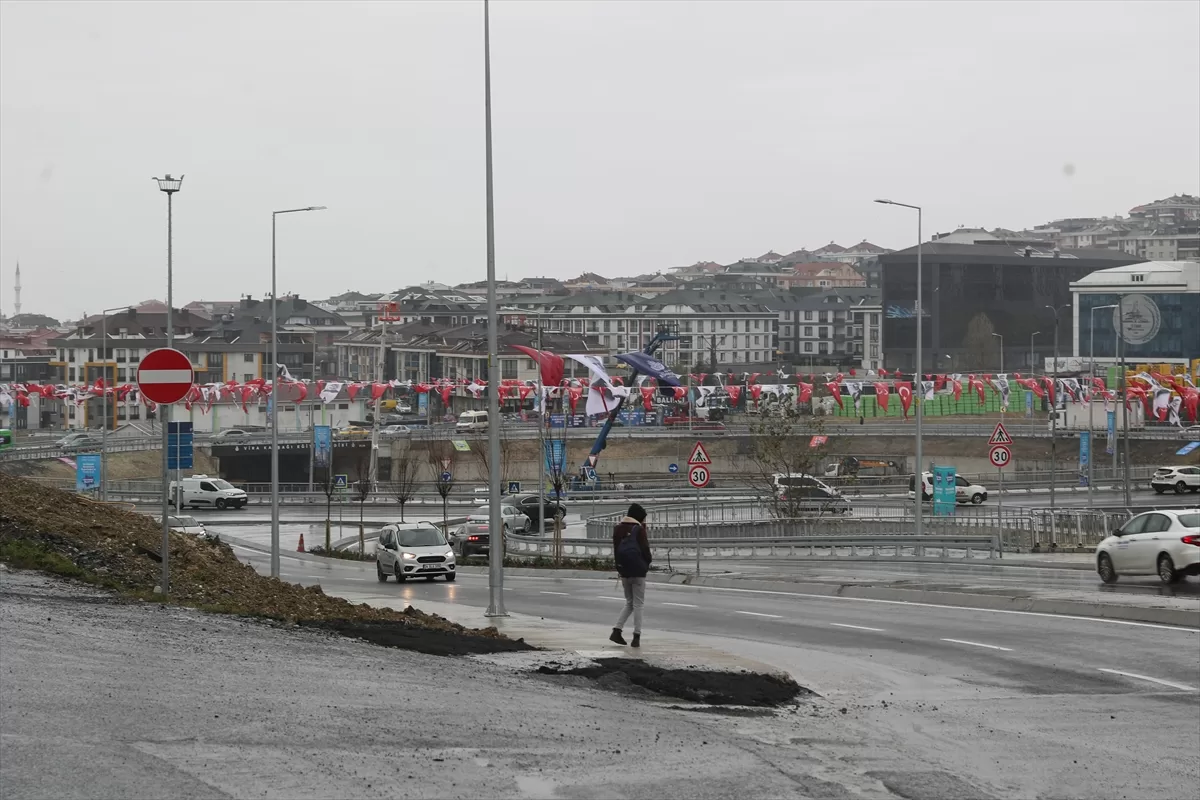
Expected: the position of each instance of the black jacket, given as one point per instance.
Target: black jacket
(622, 530)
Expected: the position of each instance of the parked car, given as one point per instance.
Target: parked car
(389, 431)
(514, 520)
(79, 441)
(351, 432)
(184, 524)
(1176, 479)
(471, 539)
(964, 490)
(472, 422)
(531, 506)
(230, 433)
(1164, 543)
(201, 490)
(413, 551)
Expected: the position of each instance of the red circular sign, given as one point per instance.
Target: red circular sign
(1000, 455)
(165, 376)
(698, 475)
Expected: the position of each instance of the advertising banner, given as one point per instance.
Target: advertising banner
(1085, 455)
(87, 472)
(1112, 432)
(423, 404)
(323, 445)
(556, 457)
(945, 491)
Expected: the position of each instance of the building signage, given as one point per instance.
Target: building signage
(1138, 318)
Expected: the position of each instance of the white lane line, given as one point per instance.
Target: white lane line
(856, 627)
(610, 597)
(681, 605)
(564, 594)
(979, 644)
(1172, 684)
(758, 614)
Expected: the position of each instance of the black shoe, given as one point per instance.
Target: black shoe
(637, 640)
(617, 637)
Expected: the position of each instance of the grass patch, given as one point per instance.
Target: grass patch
(33, 554)
(546, 562)
(344, 555)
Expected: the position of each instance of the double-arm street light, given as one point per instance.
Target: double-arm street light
(104, 395)
(920, 469)
(274, 398)
(1092, 378)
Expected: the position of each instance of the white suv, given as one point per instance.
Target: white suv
(964, 490)
(201, 490)
(413, 551)
(1164, 542)
(1177, 479)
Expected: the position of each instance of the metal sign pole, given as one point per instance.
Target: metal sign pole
(696, 518)
(1000, 508)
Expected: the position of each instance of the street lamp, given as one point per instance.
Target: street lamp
(1001, 338)
(274, 399)
(1054, 424)
(104, 396)
(920, 393)
(1092, 377)
(312, 450)
(1032, 355)
(168, 186)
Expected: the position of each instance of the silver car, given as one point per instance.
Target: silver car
(413, 551)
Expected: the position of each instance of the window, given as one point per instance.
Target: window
(723, 325)
(757, 339)
(70, 411)
(247, 358)
(247, 377)
(757, 323)
(824, 347)
(607, 326)
(71, 374)
(787, 347)
(808, 331)
(757, 356)
(135, 411)
(824, 333)
(134, 356)
(508, 368)
(722, 356)
(121, 375)
(808, 347)
(808, 315)
(746, 357)
(591, 326)
(119, 356)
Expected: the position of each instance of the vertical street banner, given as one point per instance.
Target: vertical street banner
(556, 457)
(945, 491)
(423, 404)
(87, 472)
(1029, 404)
(270, 407)
(1112, 432)
(322, 446)
(1085, 456)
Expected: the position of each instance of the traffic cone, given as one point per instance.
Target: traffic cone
(300, 547)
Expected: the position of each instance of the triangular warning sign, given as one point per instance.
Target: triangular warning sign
(591, 461)
(1000, 435)
(699, 455)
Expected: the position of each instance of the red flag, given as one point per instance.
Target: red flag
(806, 390)
(957, 387)
(735, 392)
(904, 389)
(549, 365)
(446, 392)
(835, 389)
(881, 395)
(647, 398)
(377, 390)
(573, 395)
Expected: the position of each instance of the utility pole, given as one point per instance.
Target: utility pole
(169, 186)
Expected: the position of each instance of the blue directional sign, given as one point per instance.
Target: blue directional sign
(341, 482)
(87, 472)
(446, 477)
(514, 487)
(590, 474)
(179, 445)
(673, 469)
(1187, 448)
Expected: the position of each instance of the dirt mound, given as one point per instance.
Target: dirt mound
(433, 642)
(715, 687)
(64, 533)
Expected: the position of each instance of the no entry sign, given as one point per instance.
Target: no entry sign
(165, 376)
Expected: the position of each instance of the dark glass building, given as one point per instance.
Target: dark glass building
(971, 291)
(1159, 306)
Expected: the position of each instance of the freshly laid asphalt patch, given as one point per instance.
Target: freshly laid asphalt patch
(715, 687)
(421, 640)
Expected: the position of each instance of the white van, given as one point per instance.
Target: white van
(471, 421)
(201, 490)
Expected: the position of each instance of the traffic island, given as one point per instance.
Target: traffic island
(71, 536)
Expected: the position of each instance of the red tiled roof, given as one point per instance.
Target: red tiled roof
(832, 247)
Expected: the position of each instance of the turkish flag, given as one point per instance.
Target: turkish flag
(904, 389)
(881, 395)
(806, 390)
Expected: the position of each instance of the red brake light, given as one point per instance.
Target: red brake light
(472, 538)
(1191, 539)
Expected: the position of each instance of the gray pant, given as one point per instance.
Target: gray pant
(635, 598)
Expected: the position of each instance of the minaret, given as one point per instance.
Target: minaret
(17, 293)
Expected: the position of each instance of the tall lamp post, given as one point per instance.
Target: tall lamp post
(496, 554)
(1032, 354)
(169, 186)
(1054, 425)
(1000, 336)
(104, 395)
(1091, 377)
(274, 399)
(920, 391)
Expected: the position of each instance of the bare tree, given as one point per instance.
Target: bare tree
(362, 485)
(789, 445)
(982, 347)
(326, 482)
(483, 456)
(404, 487)
(441, 460)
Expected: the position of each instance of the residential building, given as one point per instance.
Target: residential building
(25, 356)
(648, 285)
(822, 275)
(848, 255)
(971, 291)
(749, 275)
(868, 313)
(588, 282)
(1156, 246)
(1158, 312)
(1171, 212)
(698, 270)
(823, 329)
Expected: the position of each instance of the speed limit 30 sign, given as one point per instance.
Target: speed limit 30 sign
(698, 475)
(1000, 455)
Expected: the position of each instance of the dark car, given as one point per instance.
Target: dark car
(472, 538)
(532, 507)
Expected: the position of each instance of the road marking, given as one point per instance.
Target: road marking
(979, 644)
(681, 605)
(758, 614)
(610, 597)
(564, 594)
(1172, 684)
(856, 627)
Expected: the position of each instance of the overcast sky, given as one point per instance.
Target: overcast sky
(630, 137)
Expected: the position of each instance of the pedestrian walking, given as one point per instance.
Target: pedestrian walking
(631, 552)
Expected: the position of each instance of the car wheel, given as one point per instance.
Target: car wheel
(1159, 490)
(379, 573)
(399, 575)
(221, 503)
(450, 576)
(976, 499)
(1180, 487)
(1166, 569)
(1104, 567)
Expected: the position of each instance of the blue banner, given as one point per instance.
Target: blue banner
(270, 406)
(87, 472)
(649, 365)
(556, 456)
(1112, 432)
(1028, 404)
(323, 445)
(179, 445)
(423, 404)
(1085, 455)
(945, 491)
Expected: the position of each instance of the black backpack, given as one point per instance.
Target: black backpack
(630, 562)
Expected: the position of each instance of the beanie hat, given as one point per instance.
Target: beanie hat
(637, 512)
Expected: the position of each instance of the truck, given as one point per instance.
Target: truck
(1073, 417)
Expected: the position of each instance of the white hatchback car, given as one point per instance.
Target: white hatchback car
(514, 519)
(1164, 542)
(413, 551)
(1176, 479)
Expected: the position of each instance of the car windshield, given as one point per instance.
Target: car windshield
(220, 484)
(420, 537)
(1190, 520)
(185, 522)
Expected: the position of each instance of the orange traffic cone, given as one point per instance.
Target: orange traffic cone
(300, 547)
